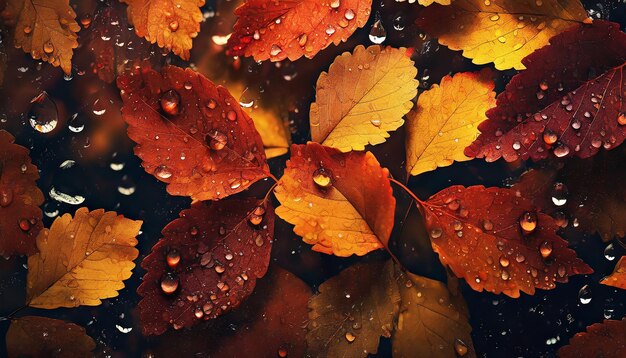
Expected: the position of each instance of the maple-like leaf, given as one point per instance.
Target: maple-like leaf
(561, 105)
(500, 31)
(432, 321)
(341, 203)
(445, 120)
(20, 215)
(363, 97)
(272, 322)
(277, 30)
(618, 277)
(46, 29)
(206, 264)
(171, 24)
(190, 133)
(606, 340)
(498, 241)
(82, 260)
(33, 336)
(353, 310)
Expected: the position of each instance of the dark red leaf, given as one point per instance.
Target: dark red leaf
(498, 241)
(191, 133)
(206, 264)
(568, 102)
(605, 340)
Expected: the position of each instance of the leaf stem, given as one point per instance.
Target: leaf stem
(12, 314)
(408, 191)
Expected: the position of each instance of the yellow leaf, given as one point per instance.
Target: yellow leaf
(46, 29)
(363, 97)
(432, 321)
(352, 311)
(445, 120)
(82, 260)
(618, 277)
(500, 31)
(171, 24)
(430, 2)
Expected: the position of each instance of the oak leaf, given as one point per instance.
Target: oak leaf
(561, 105)
(191, 133)
(498, 241)
(363, 96)
(341, 203)
(618, 277)
(46, 29)
(445, 120)
(171, 24)
(206, 264)
(352, 311)
(277, 30)
(20, 215)
(500, 31)
(82, 260)
(606, 340)
(33, 336)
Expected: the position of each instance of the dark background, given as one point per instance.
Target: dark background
(530, 326)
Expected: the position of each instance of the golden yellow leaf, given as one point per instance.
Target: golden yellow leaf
(430, 2)
(432, 321)
(445, 120)
(363, 97)
(46, 29)
(171, 24)
(82, 260)
(618, 277)
(352, 311)
(500, 31)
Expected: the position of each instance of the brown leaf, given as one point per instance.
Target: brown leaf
(341, 203)
(618, 277)
(20, 215)
(82, 260)
(498, 241)
(191, 133)
(33, 336)
(606, 340)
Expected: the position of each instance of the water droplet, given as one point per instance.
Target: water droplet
(609, 252)
(275, 50)
(549, 137)
(173, 258)
(169, 283)
(24, 224)
(255, 219)
(350, 337)
(6, 196)
(173, 26)
(436, 233)
(584, 295)
(561, 151)
(545, 249)
(559, 194)
(349, 15)
(504, 262)
(127, 186)
(460, 347)
(621, 119)
(322, 178)
(163, 172)
(48, 47)
(170, 102)
(562, 271)
(231, 115)
(378, 34)
(487, 225)
(528, 222)
(216, 140)
(246, 100)
(43, 115)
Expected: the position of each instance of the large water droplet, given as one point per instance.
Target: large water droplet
(378, 34)
(528, 222)
(545, 249)
(322, 178)
(163, 172)
(43, 115)
(584, 295)
(170, 102)
(216, 140)
(169, 283)
(559, 194)
(172, 258)
(609, 252)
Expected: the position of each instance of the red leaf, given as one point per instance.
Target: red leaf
(190, 133)
(206, 264)
(568, 105)
(20, 215)
(478, 233)
(606, 340)
(277, 30)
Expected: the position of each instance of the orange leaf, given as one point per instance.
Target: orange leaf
(497, 241)
(342, 204)
(33, 336)
(191, 133)
(46, 29)
(606, 340)
(618, 277)
(430, 2)
(171, 24)
(20, 216)
(277, 30)
(82, 260)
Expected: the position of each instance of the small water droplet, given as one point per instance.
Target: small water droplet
(170, 102)
(545, 249)
(163, 172)
(460, 347)
(173, 258)
(322, 178)
(609, 252)
(528, 222)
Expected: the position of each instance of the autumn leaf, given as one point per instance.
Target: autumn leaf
(445, 120)
(561, 105)
(363, 97)
(498, 241)
(171, 24)
(618, 277)
(82, 260)
(352, 311)
(20, 216)
(206, 264)
(33, 336)
(432, 322)
(606, 340)
(500, 31)
(191, 134)
(46, 29)
(430, 2)
(277, 30)
(342, 204)
(272, 322)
